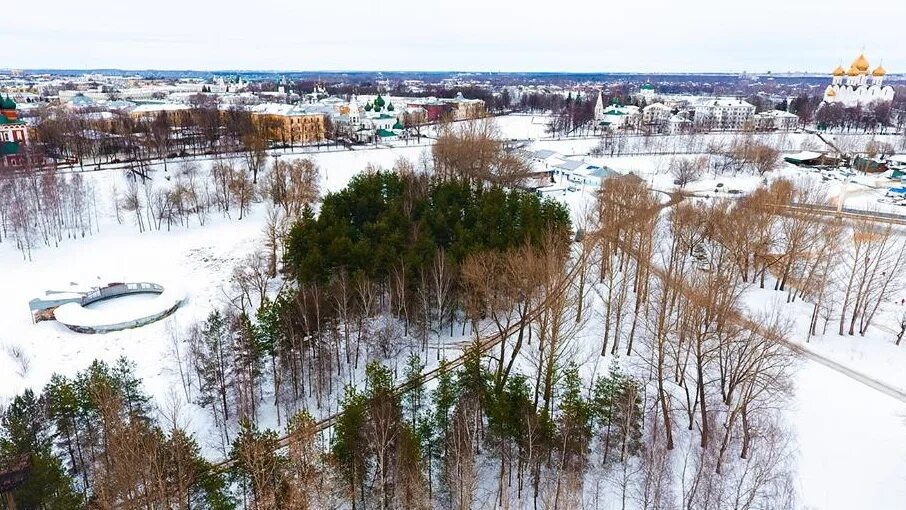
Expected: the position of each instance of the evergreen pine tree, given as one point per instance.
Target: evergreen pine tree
(63, 407)
(413, 399)
(258, 463)
(129, 387)
(348, 446)
(214, 359)
(25, 432)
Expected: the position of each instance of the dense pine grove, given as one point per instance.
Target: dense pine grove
(93, 442)
(383, 218)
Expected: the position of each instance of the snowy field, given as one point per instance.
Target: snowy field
(851, 438)
(851, 443)
(523, 127)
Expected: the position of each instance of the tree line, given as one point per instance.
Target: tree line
(94, 137)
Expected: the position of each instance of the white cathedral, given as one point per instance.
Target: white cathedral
(858, 86)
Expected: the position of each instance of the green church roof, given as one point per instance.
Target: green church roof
(7, 104)
(7, 148)
(6, 122)
(647, 86)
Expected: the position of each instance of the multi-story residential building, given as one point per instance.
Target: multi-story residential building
(723, 114)
(291, 124)
(776, 120)
(457, 108)
(656, 115)
(462, 108)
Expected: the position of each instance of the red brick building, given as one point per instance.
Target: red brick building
(13, 135)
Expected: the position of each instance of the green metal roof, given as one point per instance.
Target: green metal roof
(6, 122)
(7, 148)
(383, 133)
(647, 86)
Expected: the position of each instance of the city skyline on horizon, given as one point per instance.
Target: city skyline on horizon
(658, 36)
(791, 73)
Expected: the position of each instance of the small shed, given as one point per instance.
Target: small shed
(806, 158)
(870, 165)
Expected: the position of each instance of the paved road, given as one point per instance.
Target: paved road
(867, 380)
(847, 213)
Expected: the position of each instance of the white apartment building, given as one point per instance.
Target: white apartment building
(776, 120)
(724, 114)
(656, 114)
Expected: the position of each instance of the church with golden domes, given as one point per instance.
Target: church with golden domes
(859, 85)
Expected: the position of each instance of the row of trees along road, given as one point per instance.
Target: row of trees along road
(86, 138)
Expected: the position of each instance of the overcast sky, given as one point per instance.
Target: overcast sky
(466, 35)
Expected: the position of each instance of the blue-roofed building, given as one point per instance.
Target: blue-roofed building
(583, 173)
(80, 101)
(897, 192)
(592, 175)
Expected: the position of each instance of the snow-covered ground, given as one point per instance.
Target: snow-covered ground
(851, 438)
(851, 442)
(523, 127)
(199, 259)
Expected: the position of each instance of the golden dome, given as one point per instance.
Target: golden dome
(861, 63)
(853, 71)
(839, 71)
(831, 92)
(879, 71)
